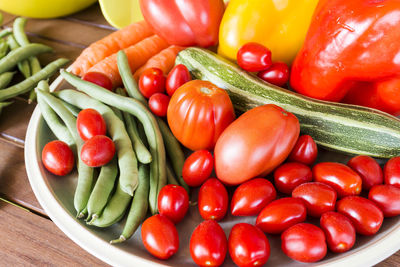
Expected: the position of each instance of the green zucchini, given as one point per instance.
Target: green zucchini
(335, 126)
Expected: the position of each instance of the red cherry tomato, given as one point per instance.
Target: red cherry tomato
(368, 169)
(254, 57)
(304, 151)
(391, 171)
(197, 167)
(318, 197)
(277, 74)
(248, 245)
(160, 236)
(98, 78)
(367, 218)
(151, 81)
(340, 177)
(252, 196)
(90, 123)
(208, 244)
(387, 198)
(178, 76)
(58, 158)
(280, 214)
(304, 242)
(158, 104)
(97, 151)
(213, 200)
(339, 231)
(289, 175)
(173, 202)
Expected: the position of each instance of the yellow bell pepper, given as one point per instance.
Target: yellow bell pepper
(280, 25)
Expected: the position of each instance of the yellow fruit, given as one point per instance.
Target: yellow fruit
(121, 13)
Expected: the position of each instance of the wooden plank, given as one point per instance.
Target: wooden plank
(393, 260)
(7, 17)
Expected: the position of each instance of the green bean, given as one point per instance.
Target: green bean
(73, 109)
(5, 32)
(23, 65)
(118, 113)
(5, 79)
(3, 48)
(171, 179)
(43, 85)
(31, 82)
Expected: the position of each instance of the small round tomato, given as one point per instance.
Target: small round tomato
(90, 123)
(340, 177)
(97, 151)
(254, 57)
(252, 196)
(318, 197)
(277, 74)
(158, 104)
(280, 214)
(58, 158)
(98, 78)
(387, 198)
(151, 81)
(289, 175)
(248, 245)
(339, 231)
(368, 169)
(178, 76)
(304, 151)
(304, 242)
(213, 200)
(391, 171)
(160, 237)
(367, 218)
(208, 244)
(173, 202)
(197, 167)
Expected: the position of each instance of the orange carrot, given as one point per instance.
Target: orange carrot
(164, 60)
(109, 45)
(137, 54)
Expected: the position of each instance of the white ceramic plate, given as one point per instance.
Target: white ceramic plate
(55, 194)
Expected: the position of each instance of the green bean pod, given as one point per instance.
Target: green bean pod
(43, 85)
(5, 79)
(3, 48)
(73, 109)
(23, 65)
(171, 179)
(5, 33)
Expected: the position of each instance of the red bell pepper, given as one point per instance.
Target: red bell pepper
(352, 51)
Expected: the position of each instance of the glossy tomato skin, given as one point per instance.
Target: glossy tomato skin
(289, 175)
(208, 244)
(304, 242)
(198, 167)
(198, 113)
(173, 202)
(252, 196)
(368, 169)
(387, 198)
(392, 171)
(248, 246)
(367, 218)
(97, 151)
(160, 236)
(90, 123)
(318, 197)
(255, 144)
(280, 214)
(340, 177)
(254, 57)
(158, 104)
(178, 76)
(339, 231)
(58, 158)
(277, 74)
(213, 200)
(151, 81)
(304, 151)
(98, 78)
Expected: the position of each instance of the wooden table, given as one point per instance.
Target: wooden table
(28, 237)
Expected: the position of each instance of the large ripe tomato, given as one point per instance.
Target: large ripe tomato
(252, 196)
(173, 202)
(304, 151)
(208, 244)
(391, 171)
(178, 76)
(289, 175)
(152, 81)
(197, 167)
(255, 144)
(198, 113)
(213, 200)
(90, 123)
(387, 198)
(368, 169)
(254, 57)
(97, 151)
(248, 245)
(58, 158)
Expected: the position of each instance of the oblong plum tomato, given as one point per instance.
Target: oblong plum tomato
(90, 123)
(318, 197)
(248, 245)
(304, 151)
(213, 200)
(280, 214)
(173, 202)
(387, 198)
(277, 74)
(97, 151)
(339, 231)
(58, 158)
(367, 218)
(289, 175)
(208, 244)
(254, 57)
(304, 242)
(158, 104)
(151, 81)
(391, 171)
(178, 76)
(98, 78)
(369, 170)
(340, 177)
(198, 167)
(252, 196)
